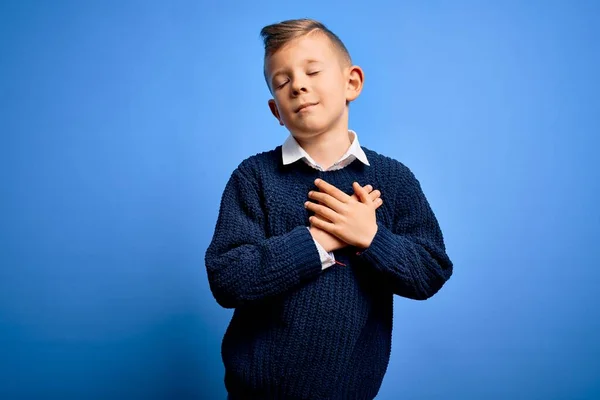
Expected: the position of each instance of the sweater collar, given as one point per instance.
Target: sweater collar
(291, 151)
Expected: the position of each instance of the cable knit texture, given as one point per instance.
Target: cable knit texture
(300, 332)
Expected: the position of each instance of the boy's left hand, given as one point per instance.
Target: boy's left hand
(352, 221)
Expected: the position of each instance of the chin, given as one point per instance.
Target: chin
(310, 129)
(313, 125)
(307, 132)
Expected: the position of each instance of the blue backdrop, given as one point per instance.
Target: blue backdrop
(121, 122)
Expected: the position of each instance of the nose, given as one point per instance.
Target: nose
(298, 87)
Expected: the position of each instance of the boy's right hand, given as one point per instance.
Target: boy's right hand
(331, 242)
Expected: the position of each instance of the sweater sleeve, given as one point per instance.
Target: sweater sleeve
(411, 255)
(243, 264)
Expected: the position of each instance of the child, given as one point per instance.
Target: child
(307, 256)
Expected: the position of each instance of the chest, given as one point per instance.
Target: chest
(284, 199)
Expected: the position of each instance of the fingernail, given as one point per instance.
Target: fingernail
(306, 204)
(311, 193)
(317, 181)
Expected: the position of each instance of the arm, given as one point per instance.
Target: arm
(243, 265)
(412, 256)
(327, 258)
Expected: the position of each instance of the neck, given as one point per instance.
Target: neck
(327, 147)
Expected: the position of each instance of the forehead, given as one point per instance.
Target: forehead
(311, 47)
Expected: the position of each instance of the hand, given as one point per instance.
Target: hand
(351, 219)
(330, 242)
(375, 196)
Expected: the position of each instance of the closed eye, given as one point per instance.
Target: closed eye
(313, 73)
(282, 85)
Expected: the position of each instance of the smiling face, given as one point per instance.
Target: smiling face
(312, 85)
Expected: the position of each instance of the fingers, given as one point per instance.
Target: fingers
(322, 211)
(374, 195)
(332, 191)
(331, 195)
(368, 188)
(324, 225)
(321, 217)
(377, 203)
(327, 200)
(361, 193)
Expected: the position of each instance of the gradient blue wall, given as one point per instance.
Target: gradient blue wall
(119, 127)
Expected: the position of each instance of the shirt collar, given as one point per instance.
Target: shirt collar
(291, 151)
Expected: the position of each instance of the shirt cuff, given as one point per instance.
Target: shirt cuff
(327, 259)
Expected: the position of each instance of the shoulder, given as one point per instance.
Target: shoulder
(387, 166)
(393, 176)
(245, 181)
(259, 164)
(396, 179)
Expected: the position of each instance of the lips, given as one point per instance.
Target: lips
(305, 105)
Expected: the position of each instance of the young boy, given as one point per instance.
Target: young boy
(307, 256)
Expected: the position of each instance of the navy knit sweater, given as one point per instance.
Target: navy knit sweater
(300, 332)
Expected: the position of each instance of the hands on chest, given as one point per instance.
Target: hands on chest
(340, 220)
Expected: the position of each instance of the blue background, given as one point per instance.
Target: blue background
(121, 123)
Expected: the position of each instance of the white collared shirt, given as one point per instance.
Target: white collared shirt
(291, 151)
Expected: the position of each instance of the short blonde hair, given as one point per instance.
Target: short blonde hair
(277, 35)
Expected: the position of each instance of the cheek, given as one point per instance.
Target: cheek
(334, 85)
(334, 93)
(282, 106)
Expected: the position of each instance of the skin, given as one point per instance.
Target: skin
(312, 85)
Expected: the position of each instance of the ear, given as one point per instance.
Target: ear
(275, 111)
(355, 78)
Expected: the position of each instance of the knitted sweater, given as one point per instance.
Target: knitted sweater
(297, 331)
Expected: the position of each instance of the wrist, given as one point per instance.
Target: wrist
(322, 238)
(316, 235)
(369, 239)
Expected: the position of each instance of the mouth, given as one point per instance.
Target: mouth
(305, 106)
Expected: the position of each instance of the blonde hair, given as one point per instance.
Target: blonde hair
(277, 35)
